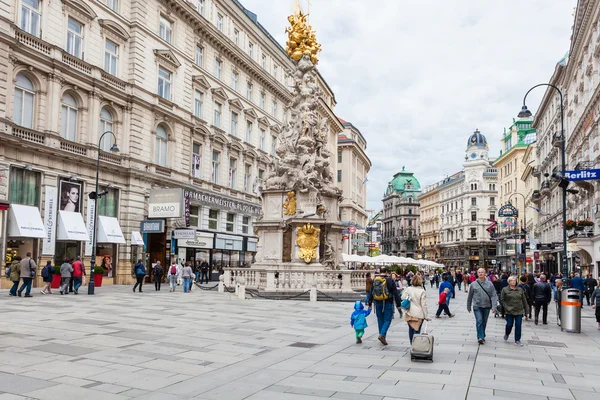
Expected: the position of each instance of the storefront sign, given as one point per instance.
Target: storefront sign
(152, 226)
(229, 242)
(221, 202)
(165, 203)
(201, 241)
(508, 210)
(184, 234)
(187, 209)
(585, 175)
(49, 221)
(89, 219)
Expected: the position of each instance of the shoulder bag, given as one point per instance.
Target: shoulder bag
(31, 271)
(486, 292)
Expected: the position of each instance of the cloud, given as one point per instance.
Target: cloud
(417, 77)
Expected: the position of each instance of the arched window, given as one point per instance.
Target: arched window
(160, 146)
(24, 97)
(106, 125)
(68, 128)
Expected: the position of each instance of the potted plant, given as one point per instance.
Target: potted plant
(570, 224)
(585, 223)
(55, 284)
(98, 273)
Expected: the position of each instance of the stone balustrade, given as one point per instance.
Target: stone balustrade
(296, 280)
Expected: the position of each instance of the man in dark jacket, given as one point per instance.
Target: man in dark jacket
(459, 279)
(527, 289)
(384, 309)
(590, 286)
(542, 294)
(204, 268)
(577, 283)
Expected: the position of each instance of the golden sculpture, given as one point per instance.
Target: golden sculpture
(289, 205)
(301, 38)
(308, 240)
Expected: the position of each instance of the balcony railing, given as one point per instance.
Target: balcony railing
(32, 41)
(584, 165)
(545, 188)
(76, 63)
(28, 134)
(111, 158)
(557, 140)
(72, 147)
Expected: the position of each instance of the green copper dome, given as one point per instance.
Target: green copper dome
(404, 181)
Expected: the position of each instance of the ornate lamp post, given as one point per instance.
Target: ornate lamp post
(95, 196)
(525, 113)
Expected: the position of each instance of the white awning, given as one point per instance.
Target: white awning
(71, 227)
(137, 239)
(25, 221)
(109, 231)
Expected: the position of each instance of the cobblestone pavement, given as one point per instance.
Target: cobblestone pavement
(206, 345)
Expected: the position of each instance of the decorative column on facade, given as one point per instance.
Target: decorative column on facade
(91, 135)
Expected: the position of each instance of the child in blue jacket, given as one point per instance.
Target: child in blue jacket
(358, 320)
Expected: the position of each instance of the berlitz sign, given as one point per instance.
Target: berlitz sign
(585, 175)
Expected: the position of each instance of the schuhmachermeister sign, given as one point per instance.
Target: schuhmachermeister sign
(223, 202)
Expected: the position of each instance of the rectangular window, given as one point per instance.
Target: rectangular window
(218, 67)
(261, 142)
(213, 219)
(30, 16)
(199, 56)
(249, 91)
(235, 77)
(273, 144)
(215, 167)
(164, 30)
(232, 172)
(492, 201)
(230, 224)
(473, 201)
(473, 232)
(245, 225)
(248, 131)
(264, 61)
(234, 123)
(263, 100)
(74, 38)
(492, 216)
(108, 204)
(251, 50)
(200, 6)
(24, 187)
(217, 116)
(112, 4)
(198, 101)
(194, 216)
(220, 22)
(164, 83)
(339, 156)
(261, 174)
(236, 36)
(197, 160)
(111, 57)
(473, 216)
(274, 108)
(275, 71)
(247, 177)
(339, 175)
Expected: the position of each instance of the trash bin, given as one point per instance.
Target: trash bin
(570, 311)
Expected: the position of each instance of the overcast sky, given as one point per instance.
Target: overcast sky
(417, 77)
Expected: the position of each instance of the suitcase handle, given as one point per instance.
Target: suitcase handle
(424, 327)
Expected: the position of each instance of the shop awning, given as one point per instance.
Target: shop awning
(109, 231)
(71, 227)
(25, 221)
(137, 239)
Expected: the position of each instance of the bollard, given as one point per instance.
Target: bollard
(221, 287)
(570, 313)
(241, 288)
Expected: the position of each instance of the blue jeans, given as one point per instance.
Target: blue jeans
(186, 284)
(13, 289)
(412, 332)
(516, 320)
(197, 275)
(26, 285)
(77, 283)
(204, 277)
(481, 318)
(385, 312)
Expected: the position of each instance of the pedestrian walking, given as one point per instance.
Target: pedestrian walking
(483, 299)
(466, 281)
(384, 294)
(140, 274)
(447, 285)
(15, 275)
(66, 269)
(442, 306)
(204, 270)
(527, 289)
(590, 286)
(157, 271)
(432, 279)
(27, 267)
(459, 279)
(188, 275)
(78, 272)
(368, 288)
(172, 275)
(514, 304)
(577, 283)
(358, 320)
(596, 303)
(558, 298)
(417, 310)
(542, 294)
(437, 280)
(47, 273)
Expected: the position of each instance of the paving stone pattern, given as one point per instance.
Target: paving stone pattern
(206, 345)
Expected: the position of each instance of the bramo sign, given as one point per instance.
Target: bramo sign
(584, 175)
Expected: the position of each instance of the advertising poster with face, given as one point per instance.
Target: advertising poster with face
(70, 196)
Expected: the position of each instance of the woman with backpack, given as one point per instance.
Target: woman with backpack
(172, 275)
(140, 274)
(47, 273)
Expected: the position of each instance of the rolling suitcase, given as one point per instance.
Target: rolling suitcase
(422, 345)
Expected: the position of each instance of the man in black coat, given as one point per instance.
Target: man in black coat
(542, 295)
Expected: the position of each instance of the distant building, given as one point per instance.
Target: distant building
(429, 227)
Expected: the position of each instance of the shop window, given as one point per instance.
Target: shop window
(245, 225)
(194, 216)
(213, 219)
(230, 224)
(108, 205)
(24, 187)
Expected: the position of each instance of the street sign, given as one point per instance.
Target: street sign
(585, 175)
(344, 237)
(372, 229)
(508, 210)
(352, 230)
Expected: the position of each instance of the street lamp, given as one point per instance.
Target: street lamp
(525, 113)
(95, 196)
(523, 247)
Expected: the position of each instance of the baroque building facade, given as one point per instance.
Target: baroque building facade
(429, 228)
(401, 215)
(194, 93)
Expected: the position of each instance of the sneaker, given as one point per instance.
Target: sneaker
(61, 292)
(452, 315)
(42, 292)
(358, 341)
(518, 343)
(28, 295)
(480, 341)
(19, 293)
(598, 323)
(505, 337)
